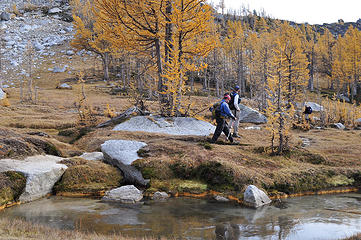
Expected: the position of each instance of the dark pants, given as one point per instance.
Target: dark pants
(222, 126)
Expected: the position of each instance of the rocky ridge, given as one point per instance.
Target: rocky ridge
(46, 28)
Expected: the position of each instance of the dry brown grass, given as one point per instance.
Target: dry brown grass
(21, 230)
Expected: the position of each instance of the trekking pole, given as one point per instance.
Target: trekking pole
(200, 111)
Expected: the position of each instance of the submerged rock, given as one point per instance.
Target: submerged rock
(121, 153)
(255, 197)
(171, 126)
(159, 196)
(41, 173)
(220, 199)
(124, 194)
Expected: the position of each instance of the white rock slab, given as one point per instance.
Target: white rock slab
(171, 126)
(124, 151)
(93, 156)
(121, 153)
(41, 171)
(255, 197)
(2, 94)
(338, 126)
(124, 194)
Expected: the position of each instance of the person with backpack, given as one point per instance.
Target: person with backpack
(221, 112)
(307, 112)
(234, 106)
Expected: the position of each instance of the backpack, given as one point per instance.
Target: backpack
(231, 102)
(216, 110)
(308, 110)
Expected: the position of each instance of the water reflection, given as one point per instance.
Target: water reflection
(309, 217)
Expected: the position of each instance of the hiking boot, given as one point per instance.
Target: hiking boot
(235, 135)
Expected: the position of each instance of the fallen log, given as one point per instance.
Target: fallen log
(122, 117)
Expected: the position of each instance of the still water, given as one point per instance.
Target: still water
(308, 217)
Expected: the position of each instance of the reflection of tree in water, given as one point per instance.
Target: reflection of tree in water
(179, 219)
(286, 224)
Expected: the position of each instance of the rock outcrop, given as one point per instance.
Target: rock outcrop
(124, 194)
(338, 126)
(87, 178)
(41, 173)
(2, 94)
(171, 126)
(93, 156)
(255, 197)
(315, 107)
(12, 185)
(249, 115)
(160, 196)
(121, 154)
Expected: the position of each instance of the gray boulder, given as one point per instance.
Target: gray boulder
(255, 197)
(121, 154)
(4, 16)
(171, 126)
(38, 46)
(54, 10)
(59, 70)
(93, 156)
(124, 194)
(41, 172)
(315, 107)
(160, 196)
(249, 115)
(70, 53)
(64, 86)
(2, 94)
(338, 126)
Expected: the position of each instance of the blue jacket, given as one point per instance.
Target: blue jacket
(225, 111)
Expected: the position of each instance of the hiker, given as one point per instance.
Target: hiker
(234, 107)
(223, 113)
(307, 112)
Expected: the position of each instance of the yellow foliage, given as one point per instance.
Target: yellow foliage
(287, 77)
(109, 112)
(5, 102)
(336, 111)
(15, 10)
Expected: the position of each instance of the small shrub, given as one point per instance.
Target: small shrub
(29, 7)
(206, 145)
(5, 103)
(109, 112)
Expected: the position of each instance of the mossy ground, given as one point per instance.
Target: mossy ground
(88, 178)
(12, 185)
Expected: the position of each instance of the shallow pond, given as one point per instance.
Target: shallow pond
(308, 217)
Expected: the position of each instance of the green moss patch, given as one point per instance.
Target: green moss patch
(88, 177)
(12, 185)
(177, 186)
